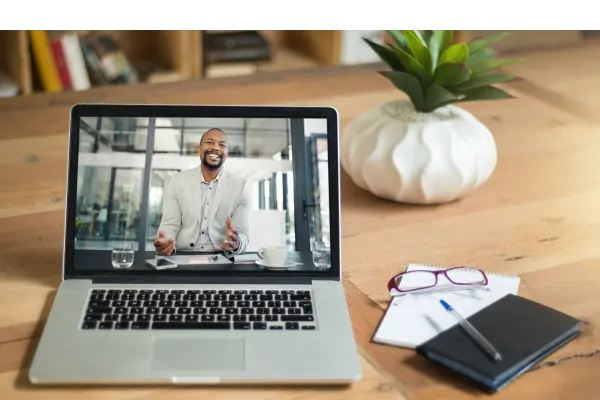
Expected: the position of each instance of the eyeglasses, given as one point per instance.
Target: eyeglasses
(427, 280)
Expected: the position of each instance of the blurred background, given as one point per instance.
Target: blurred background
(50, 61)
(285, 161)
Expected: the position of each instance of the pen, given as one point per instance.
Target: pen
(473, 332)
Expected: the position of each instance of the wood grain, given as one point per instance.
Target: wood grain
(536, 217)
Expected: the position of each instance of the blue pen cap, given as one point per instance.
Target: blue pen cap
(447, 306)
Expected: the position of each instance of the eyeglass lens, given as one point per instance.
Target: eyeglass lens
(424, 279)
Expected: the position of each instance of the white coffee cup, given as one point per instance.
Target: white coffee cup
(273, 255)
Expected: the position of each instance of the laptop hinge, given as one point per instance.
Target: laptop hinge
(203, 280)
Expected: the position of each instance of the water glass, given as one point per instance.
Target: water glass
(321, 255)
(122, 254)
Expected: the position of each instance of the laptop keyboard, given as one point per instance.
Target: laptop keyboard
(199, 309)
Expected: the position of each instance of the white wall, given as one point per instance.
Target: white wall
(315, 126)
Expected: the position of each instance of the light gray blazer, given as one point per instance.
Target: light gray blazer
(182, 204)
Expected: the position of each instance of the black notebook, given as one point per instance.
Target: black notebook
(524, 333)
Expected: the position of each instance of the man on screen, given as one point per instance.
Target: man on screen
(205, 209)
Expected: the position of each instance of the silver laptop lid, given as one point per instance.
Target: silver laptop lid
(234, 192)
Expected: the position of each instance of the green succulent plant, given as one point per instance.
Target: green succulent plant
(78, 224)
(434, 72)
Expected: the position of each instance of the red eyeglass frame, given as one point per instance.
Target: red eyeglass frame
(393, 285)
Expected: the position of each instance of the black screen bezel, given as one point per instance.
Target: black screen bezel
(202, 111)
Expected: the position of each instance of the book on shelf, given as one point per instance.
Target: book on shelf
(65, 60)
(235, 47)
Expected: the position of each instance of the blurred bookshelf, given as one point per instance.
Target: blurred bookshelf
(59, 61)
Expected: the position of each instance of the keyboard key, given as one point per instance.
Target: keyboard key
(185, 311)
(257, 318)
(89, 325)
(122, 325)
(111, 317)
(196, 304)
(191, 318)
(236, 297)
(143, 317)
(294, 311)
(241, 325)
(271, 318)
(297, 318)
(208, 318)
(147, 291)
(140, 325)
(304, 304)
(223, 317)
(224, 291)
(143, 297)
(281, 297)
(119, 303)
(250, 297)
(239, 318)
(127, 297)
(257, 304)
(134, 303)
(127, 317)
(212, 304)
(174, 297)
(243, 304)
(216, 311)
(227, 304)
(287, 292)
(247, 311)
(302, 292)
(308, 327)
(265, 297)
(231, 310)
(175, 318)
(100, 303)
(189, 297)
(240, 292)
(131, 291)
(290, 304)
(98, 291)
(93, 317)
(274, 304)
(193, 291)
(200, 310)
(291, 325)
(191, 325)
(113, 296)
(209, 292)
(100, 310)
(105, 325)
(162, 291)
(259, 325)
(178, 291)
(137, 310)
(307, 310)
(262, 311)
(181, 303)
(300, 297)
(168, 310)
(219, 297)
(256, 292)
(159, 317)
(276, 327)
(97, 297)
(152, 310)
(278, 311)
(159, 296)
(204, 297)
(272, 291)
(151, 303)
(121, 310)
(115, 291)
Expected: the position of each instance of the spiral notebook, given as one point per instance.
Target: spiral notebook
(413, 319)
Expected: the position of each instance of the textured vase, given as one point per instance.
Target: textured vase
(401, 155)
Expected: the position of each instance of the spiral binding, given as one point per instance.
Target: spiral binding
(433, 267)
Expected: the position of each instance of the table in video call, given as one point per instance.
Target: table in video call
(97, 260)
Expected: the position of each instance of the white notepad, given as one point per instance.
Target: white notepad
(415, 318)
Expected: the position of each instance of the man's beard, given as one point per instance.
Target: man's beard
(209, 165)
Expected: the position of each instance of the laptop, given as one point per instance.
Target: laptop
(202, 246)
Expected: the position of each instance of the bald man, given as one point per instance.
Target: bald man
(205, 209)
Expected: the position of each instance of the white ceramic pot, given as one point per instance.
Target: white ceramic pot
(401, 155)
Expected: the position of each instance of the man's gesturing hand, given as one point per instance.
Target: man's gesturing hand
(164, 245)
(232, 239)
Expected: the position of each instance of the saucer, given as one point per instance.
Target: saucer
(286, 265)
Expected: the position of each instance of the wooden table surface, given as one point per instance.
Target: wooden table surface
(538, 216)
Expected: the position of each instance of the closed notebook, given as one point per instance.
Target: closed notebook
(523, 331)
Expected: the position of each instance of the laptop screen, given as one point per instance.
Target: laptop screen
(171, 193)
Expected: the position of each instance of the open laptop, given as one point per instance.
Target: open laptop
(265, 306)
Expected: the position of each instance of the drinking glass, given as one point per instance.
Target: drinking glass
(122, 254)
(321, 254)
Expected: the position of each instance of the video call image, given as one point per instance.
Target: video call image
(244, 193)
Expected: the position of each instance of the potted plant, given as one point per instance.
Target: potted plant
(78, 226)
(426, 149)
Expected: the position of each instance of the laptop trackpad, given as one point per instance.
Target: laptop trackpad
(198, 354)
